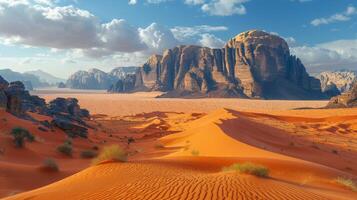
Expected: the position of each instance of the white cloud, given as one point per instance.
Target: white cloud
(133, 2)
(225, 7)
(194, 2)
(120, 36)
(209, 40)
(187, 33)
(157, 37)
(58, 27)
(330, 55)
(338, 17)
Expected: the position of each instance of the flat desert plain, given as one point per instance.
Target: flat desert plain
(187, 148)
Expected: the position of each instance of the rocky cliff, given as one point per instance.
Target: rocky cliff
(97, 79)
(346, 100)
(254, 64)
(342, 80)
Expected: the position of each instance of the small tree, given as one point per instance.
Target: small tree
(20, 134)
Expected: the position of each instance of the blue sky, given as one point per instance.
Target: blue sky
(63, 36)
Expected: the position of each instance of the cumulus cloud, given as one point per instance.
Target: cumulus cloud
(338, 17)
(331, 55)
(158, 37)
(225, 7)
(58, 27)
(209, 40)
(185, 33)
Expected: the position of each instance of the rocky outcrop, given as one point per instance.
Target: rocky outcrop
(97, 79)
(343, 80)
(254, 64)
(127, 84)
(122, 72)
(346, 100)
(66, 113)
(3, 98)
(92, 79)
(61, 85)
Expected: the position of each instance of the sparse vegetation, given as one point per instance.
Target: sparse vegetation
(348, 183)
(159, 146)
(195, 153)
(88, 154)
(65, 148)
(249, 168)
(50, 165)
(112, 153)
(20, 134)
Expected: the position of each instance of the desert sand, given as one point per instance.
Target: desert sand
(145, 102)
(181, 146)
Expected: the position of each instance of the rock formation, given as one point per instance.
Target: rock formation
(66, 113)
(343, 80)
(122, 72)
(346, 100)
(254, 64)
(127, 84)
(97, 79)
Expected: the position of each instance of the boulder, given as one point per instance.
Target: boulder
(69, 127)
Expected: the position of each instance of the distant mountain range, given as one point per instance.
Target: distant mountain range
(98, 79)
(30, 81)
(46, 77)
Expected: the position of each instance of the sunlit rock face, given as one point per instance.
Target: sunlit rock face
(254, 64)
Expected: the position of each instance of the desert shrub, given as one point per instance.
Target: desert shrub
(195, 153)
(159, 146)
(88, 154)
(249, 168)
(112, 153)
(65, 148)
(50, 165)
(20, 134)
(346, 182)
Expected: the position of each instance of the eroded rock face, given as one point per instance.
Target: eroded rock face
(343, 80)
(98, 80)
(346, 100)
(253, 64)
(127, 84)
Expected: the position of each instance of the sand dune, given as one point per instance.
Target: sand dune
(191, 166)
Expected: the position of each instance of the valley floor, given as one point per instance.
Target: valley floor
(180, 147)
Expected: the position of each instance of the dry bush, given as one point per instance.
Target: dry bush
(249, 168)
(111, 153)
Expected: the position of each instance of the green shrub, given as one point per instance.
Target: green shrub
(65, 149)
(249, 168)
(195, 153)
(50, 165)
(20, 134)
(346, 182)
(111, 153)
(88, 154)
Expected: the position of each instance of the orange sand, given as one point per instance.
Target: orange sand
(131, 104)
(291, 144)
